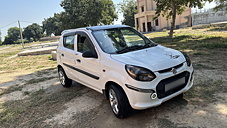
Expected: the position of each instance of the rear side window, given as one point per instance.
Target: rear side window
(69, 42)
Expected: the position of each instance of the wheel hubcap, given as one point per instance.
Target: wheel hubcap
(62, 77)
(113, 101)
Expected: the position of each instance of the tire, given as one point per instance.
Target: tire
(64, 80)
(119, 102)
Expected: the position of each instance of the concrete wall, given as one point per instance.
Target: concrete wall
(209, 17)
(182, 21)
(54, 38)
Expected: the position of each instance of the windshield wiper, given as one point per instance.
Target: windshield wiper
(147, 45)
(128, 49)
(136, 47)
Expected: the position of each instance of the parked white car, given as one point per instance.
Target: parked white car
(129, 69)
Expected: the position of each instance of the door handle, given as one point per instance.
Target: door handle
(78, 60)
(62, 54)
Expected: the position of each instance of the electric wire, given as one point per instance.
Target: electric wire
(30, 22)
(7, 25)
(15, 22)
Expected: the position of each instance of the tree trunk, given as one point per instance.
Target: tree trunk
(174, 13)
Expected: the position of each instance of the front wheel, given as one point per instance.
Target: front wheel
(65, 81)
(119, 102)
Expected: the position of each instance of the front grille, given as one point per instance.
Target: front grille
(169, 69)
(162, 90)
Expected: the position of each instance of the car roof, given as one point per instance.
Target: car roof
(96, 28)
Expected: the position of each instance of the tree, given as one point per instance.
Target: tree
(81, 13)
(129, 9)
(8, 40)
(0, 38)
(108, 12)
(220, 5)
(14, 33)
(52, 25)
(33, 31)
(172, 8)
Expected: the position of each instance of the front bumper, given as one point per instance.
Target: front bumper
(139, 93)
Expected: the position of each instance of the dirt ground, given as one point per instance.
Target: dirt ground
(38, 100)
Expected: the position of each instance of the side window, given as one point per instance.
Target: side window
(69, 42)
(142, 9)
(84, 44)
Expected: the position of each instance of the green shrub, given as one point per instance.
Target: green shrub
(225, 27)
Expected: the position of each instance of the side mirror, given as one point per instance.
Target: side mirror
(89, 54)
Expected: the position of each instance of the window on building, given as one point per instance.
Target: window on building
(156, 23)
(142, 9)
(69, 42)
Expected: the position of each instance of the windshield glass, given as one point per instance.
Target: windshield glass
(121, 40)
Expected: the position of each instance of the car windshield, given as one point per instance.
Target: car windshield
(121, 40)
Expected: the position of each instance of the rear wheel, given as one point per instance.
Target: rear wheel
(119, 102)
(65, 81)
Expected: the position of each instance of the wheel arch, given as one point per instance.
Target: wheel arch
(107, 85)
(59, 66)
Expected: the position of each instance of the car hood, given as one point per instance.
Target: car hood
(154, 58)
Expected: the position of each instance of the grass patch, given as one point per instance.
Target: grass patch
(37, 96)
(198, 66)
(211, 45)
(11, 89)
(42, 66)
(205, 91)
(39, 92)
(47, 71)
(195, 39)
(35, 109)
(8, 54)
(26, 92)
(223, 28)
(33, 81)
(9, 112)
(199, 53)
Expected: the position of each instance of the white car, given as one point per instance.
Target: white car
(130, 70)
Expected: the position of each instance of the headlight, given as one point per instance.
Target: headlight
(187, 58)
(139, 73)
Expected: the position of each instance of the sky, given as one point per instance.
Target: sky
(33, 11)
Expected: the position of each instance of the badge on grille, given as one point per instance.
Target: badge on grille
(174, 71)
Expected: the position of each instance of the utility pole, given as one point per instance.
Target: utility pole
(21, 36)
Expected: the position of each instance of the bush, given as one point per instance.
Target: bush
(225, 27)
(8, 40)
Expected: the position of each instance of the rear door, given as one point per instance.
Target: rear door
(88, 68)
(67, 55)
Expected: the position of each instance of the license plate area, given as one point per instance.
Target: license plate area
(174, 84)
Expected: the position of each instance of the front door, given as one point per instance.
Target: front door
(88, 68)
